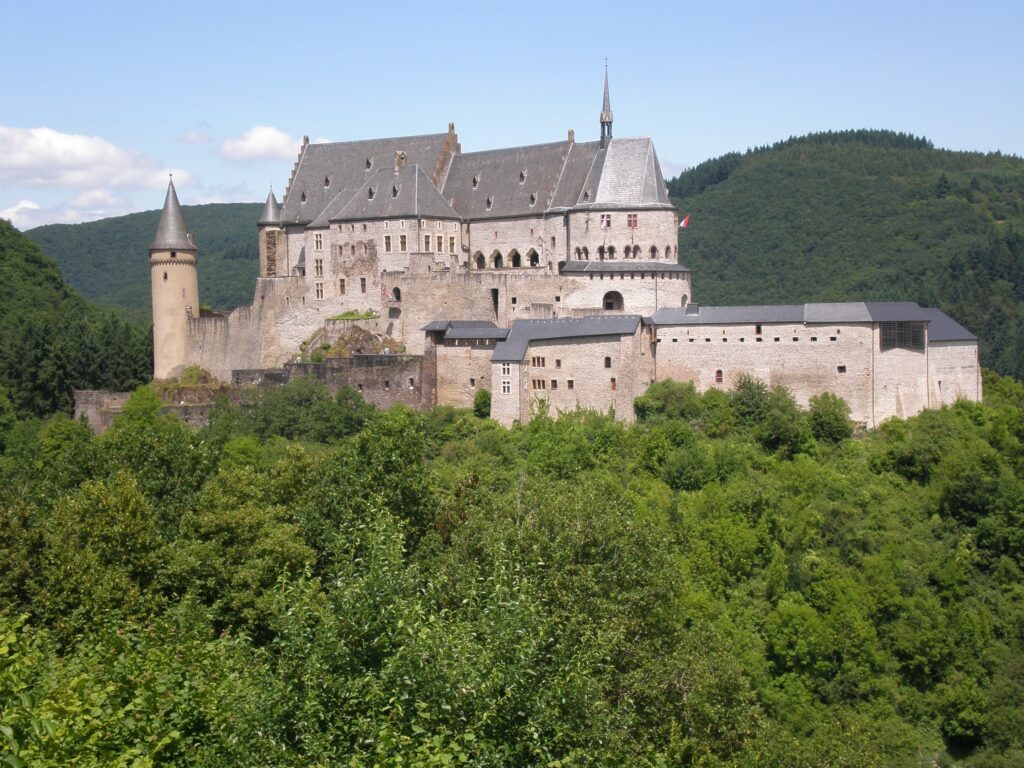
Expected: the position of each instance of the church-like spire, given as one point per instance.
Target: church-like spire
(171, 232)
(271, 213)
(606, 111)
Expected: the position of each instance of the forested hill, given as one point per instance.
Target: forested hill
(863, 215)
(52, 341)
(107, 260)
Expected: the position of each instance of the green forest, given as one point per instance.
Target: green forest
(108, 260)
(53, 342)
(730, 581)
(859, 216)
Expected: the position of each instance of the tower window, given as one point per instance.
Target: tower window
(522, 177)
(490, 202)
(533, 198)
(327, 182)
(369, 163)
(303, 198)
(394, 191)
(476, 181)
(369, 193)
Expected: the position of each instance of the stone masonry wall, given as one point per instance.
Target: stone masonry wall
(953, 372)
(463, 369)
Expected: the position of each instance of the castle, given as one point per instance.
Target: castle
(542, 273)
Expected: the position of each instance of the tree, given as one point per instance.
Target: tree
(830, 418)
(482, 404)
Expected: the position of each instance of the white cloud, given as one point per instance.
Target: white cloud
(19, 213)
(322, 140)
(97, 198)
(195, 137)
(671, 168)
(43, 157)
(262, 142)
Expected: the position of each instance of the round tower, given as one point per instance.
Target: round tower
(172, 261)
(272, 243)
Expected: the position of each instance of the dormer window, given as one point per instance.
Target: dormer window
(303, 198)
(369, 163)
(490, 202)
(522, 176)
(476, 181)
(327, 182)
(394, 191)
(586, 195)
(369, 193)
(533, 199)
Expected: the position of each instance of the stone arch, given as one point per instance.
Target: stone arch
(685, 300)
(533, 258)
(613, 301)
(636, 251)
(654, 251)
(481, 262)
(496, 260)
(396, 293)
(600, 252)
(514, 259)
(579, 253)
(611, 251)
(668, 251)
(586, 253)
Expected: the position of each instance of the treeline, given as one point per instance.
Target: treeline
(863, 215)
(108, 260)
(731, 581)
(53, 342)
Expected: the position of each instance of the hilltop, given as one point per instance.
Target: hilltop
(863, 215)
(107, 259)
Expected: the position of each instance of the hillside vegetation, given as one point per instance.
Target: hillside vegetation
(52, 341)
(108, 260)
(863, 215)
(729, 582)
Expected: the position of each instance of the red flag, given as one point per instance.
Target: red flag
(685, 222)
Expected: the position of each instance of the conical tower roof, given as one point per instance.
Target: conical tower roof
(171, 232)
(271, 213)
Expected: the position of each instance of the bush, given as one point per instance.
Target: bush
(482, 404)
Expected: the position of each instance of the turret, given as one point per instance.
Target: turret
(606, 112)
(272, 242)
(173, 257)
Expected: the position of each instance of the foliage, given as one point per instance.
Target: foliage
(864, 215)
(731, 581)
(52, 342)
(482, 404)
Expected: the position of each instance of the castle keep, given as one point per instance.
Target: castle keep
(542, 273)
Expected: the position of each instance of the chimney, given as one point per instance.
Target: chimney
(572, 136)
(399, 160)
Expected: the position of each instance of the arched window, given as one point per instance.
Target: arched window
(496, 260)
(636, 251)
(654, 251)
(586, 253)
(533, 258)
(612, 301)
(396, 293)
(718, 376)
(514, 258)
(600, 252)
(668, 251)
(481, 262)
(579, 253)
(607, 362)
(611, 251)
(685, 300)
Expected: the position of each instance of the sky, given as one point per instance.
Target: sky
(102, 100)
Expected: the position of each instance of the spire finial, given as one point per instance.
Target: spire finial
(606, 111)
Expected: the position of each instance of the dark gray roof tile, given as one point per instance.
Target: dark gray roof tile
(513, 349)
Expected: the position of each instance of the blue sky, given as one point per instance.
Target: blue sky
(101, 99)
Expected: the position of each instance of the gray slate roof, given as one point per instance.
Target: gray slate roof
(344, 164)
(171, 232)
(578, 267)
(513, 349)
(407, 193)
(941, 327)
(271, 213)
(467, 329)
(849, 312)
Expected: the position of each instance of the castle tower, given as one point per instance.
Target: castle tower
(172, 261)
(272, 242)
(606, 113)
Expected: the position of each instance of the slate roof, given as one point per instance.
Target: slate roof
(941, 327)
(467, 329)
(630, 176)
(513, 349)
(575, 172)
(271, 213)
(171, 233)
(344, 164)
(848, 312)
(407, 193)
(578, 267)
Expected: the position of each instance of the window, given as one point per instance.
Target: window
(318, 266)
(814, 338)
(369, 163)
(831, 338)
(412, 383)
(522, 177)
(554, 383)
(631, 220)
(341, 287)
(451, 245)
(362, 285)
(606, 220)
(394, 190)
(506, 387)
(352, 249)
(506, 369)
(614, 384)
(533, 199)
(757, 329)
(440, 244)
(319, 290)
(387, 384)
(776, 339)
(718, 376)
(318, 241)
(558, 362)
(537, 362)
(387, 243)
(607, 362)
(570, 384)
(370, 193)
(490, 202)
(472, 382)
(165, 275)
(796, 338)
(303, 198)
(426, 243)
(841, 369)
(402, 242)
(476, 182)
(540, 384)
(327, 182)
(901, 335)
